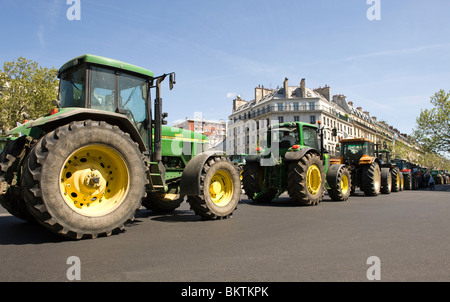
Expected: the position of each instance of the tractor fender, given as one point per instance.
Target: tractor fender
(67, 115)
(252, 158)
(332, 174)
(297, 155)
(190, 179)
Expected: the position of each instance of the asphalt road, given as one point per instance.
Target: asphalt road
(275, 242)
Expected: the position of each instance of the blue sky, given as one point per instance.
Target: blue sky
(219, 49)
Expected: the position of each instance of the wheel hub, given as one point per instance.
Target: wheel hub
(94, 180)
(314, 179)
(221, 188)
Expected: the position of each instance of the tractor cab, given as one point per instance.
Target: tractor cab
(287, 135)
(356, 151)
(104, 84)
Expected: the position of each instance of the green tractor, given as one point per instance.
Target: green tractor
(438, 179)
(384, 155)
(85, 169)
(293, 161)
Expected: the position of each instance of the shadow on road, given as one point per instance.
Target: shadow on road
(285, 201)
(14, 231)
(175, 216)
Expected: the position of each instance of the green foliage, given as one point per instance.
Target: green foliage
(433, 160)
(433, 125)
(26, 88)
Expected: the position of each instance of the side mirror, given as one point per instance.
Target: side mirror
(56, 103)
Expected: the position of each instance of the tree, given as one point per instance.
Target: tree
(25, 88)
(433, 125)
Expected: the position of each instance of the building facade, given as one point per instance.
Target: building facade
(216, 131)
(249, 121)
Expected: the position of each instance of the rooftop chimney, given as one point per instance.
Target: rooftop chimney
(303, 88)
(238, 102)
(286, 87)
(325, 91)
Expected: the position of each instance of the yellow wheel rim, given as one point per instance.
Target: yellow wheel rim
(94, 180)
(313, 179)
(344, 184)
(221, 188)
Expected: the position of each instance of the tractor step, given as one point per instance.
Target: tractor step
(157, 177)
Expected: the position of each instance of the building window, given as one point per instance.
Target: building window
(296, 118)
(312, 119)
(280, 119)
(296, 107)
(312, 106)
(280, 106)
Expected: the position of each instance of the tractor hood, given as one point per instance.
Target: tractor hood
(64, 116)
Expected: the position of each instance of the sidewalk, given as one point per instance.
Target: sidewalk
(442, 188)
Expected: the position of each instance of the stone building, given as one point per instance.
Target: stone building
(248, 123)
(215, 130)
(249, 120)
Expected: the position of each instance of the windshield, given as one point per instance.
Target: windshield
(310, 137)
(72, 87)
(132, 92)
(383, 156)
(401, 164)
(102, 89)
(356, 149)
(108, 91)
(285, 137)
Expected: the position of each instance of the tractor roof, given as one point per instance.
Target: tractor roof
(355, 140)
(291, 124)
(106, 62)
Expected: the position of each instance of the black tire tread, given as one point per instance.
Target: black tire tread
(31, 177)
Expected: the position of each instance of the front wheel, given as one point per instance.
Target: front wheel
(342, 188)
(220, 190)
(84, 180)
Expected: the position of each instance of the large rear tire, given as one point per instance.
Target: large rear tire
(11, 192)
(386, 181)
(306, 180)
(396, 180)
(220, 188)
(407, 180)
(84, 180)
(371, 179)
